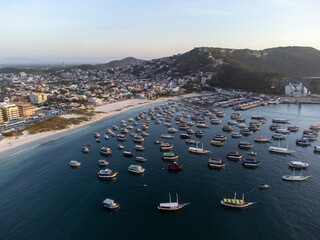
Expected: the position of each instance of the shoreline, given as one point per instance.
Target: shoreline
(16, 145)
(12, 146)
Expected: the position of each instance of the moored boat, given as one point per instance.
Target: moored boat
(298, 164)
(170, 156)
(174, 167)
(105, 151)
(250, 163)
(235, 203)
(234, 156)
(74, 163)
(110, 204)
(107, 174)
(136, 169)
(102, 163)
(216, 163)
(172, 206)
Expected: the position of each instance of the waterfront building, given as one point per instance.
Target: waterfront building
(296, 90)
(26, 110)
(37, 98)
(10, 111)
(1, 116)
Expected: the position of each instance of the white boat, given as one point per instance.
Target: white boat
(296, 178)
(136, 169)
(198, 150)
(110, 204)
(172, 206)
(298, 164)
(106, 137)
(280, 149)
(74, 163)
(107, 174)
(168, 136)
(317, 149)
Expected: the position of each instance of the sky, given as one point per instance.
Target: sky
(97, 31)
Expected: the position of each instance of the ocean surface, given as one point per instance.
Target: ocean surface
(41, 197)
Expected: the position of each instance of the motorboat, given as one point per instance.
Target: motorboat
(202, 125)
(106, 137)
(85, 150)
(167, 136)
(124, 130)
(216, 163)
(298, 165)
(174, 167)
(279, 120)
(215, 121)
(263, 186)
(110, 204)
(258, 117)
(235, 203)
(105, 151)
(190, 131)
(141, 159)
(282, 130)
(119, 146)
(303, 142)
(262, 140)
(74, 163)
(293, 128)
(315, 127)
(107, 174)
(121, 137)
(316, 149)
(227, 128)
(199, 134)
(138, 139)
(219, 138)
(252, 153)
(217, 143)
(170, 156)
(172, 130)
(172, 206)
(250, 163)
(246, 131)
(102, 163)
(145, 134)
(234, 156)
(137, 169)
(97, 135)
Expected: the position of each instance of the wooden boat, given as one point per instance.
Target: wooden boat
(236, 135)
(138, 139)
(279, 120)
(217, 143)
(227, 128)
(121, 137)
(234, 156)
(198, 150)
(236, 203)
(170, 156)
(172, 206)
(141, 159)
(136, 169)
(127, 154)
(199, 134)
(105, 151)
(278, 136)
(174, 167)
(252, 153)
(303, 142)
(139, 147)
(250, 163)
(96, 135)
(167, 136)
(84, 149)
(262, 140)
(103, 163)
(114, 127)
(216, 163)
(220, 138)
(184, 136)
(280, 149)
(166, 146)
(190, 141)
(245, 145)
(107, 174)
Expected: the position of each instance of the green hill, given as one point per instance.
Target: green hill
(120, 63)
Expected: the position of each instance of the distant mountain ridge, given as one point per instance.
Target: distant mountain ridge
(120, 63)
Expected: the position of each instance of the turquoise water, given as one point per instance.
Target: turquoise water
(43, 198)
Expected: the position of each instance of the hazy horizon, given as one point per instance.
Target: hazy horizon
(70, 31)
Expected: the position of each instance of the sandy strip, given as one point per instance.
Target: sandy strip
(15, 145)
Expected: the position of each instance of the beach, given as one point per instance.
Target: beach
(14, 145)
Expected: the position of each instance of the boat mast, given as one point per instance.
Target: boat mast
(243, 197)
(177, 198)
(235, 195)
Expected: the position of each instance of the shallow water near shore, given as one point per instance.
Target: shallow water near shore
(43, 198)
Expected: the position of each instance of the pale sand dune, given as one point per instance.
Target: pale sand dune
(14, 145)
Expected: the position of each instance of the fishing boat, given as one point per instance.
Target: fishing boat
(74, 163)
(298, 165)
(121, 137)
(170, 156)
(98, 140)
(216, 163)
(127, 153)
(166, 146)
(106, 137)
(172, 130)
(217, 143)
(107, 174)
(303, 142)
(232, 123)
(236, 135)
(296, 178)
(215, 121)
(282, 130)
(202, 125)
(105, 151)
(138, 139)
(108, 131)
(114, 127)
(235, 156)
(235, 115)
(315, 127)
(242, 125)
(250, 163)
(220, 138)
(274, 127)
(96, 135)
(183, 127)
(145, 134)
(293, 128)
(245, 145)
(124, 130)
(172, 206)
(136, 169)
(263, 186)
(199, 134)
(110, 204)
(139, 147)
(280, 149)
(102, 163)
(174, 167)
(262, 140)
(279, 136)
(258, 117)
(84, 149)
(246, 131)
(236, 203)
(113, 134)
(190, 141)
(167, 136)
(198, 150)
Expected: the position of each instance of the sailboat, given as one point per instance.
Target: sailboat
(198, 150)
(236, 203)
(172, 206)
(280, 149)
(297, 178)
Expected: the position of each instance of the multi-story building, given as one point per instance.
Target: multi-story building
(26, 110)
(1, 116)
(10, 111)
(37, 98)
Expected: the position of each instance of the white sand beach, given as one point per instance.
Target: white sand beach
(14, 145)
